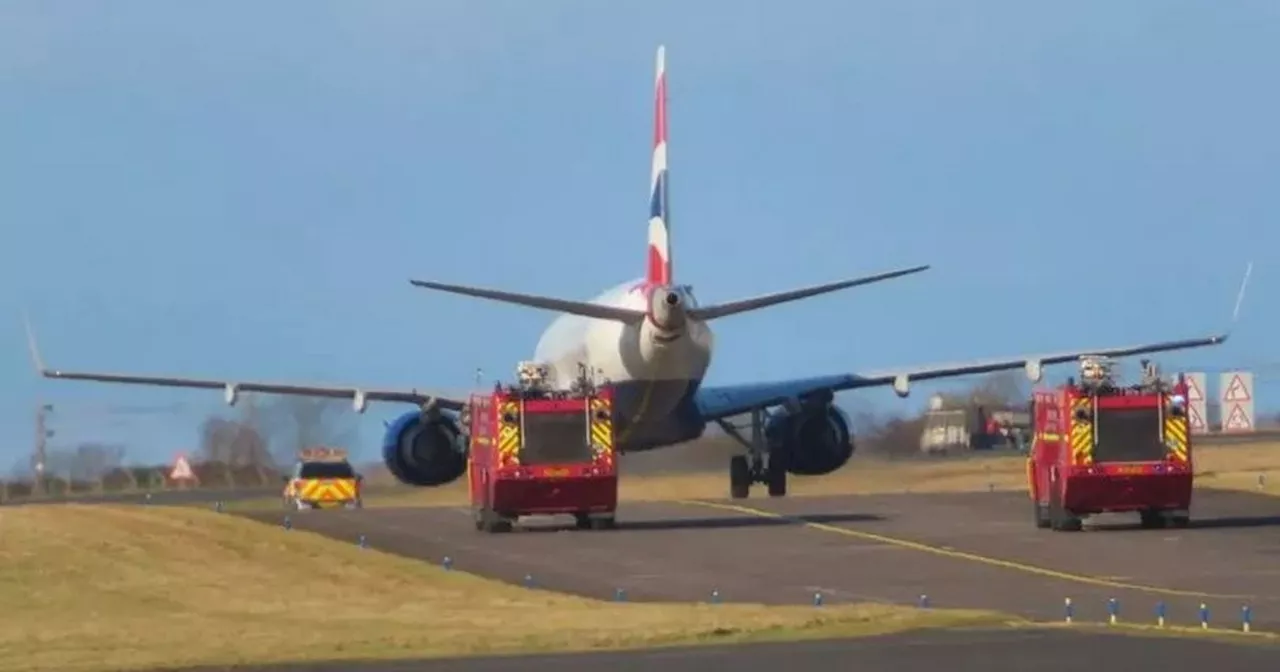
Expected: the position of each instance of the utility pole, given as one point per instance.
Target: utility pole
(42, 434)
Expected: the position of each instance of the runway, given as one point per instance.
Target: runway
(973, 550)
(953, 651)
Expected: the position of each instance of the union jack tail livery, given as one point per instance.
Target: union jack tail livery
(659, 209)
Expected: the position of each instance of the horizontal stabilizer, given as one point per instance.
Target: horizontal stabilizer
(747, 305)
(561, 305)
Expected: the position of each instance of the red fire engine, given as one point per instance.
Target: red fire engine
(1100, 448)
(537, 451)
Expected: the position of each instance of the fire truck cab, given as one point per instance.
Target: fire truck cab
(1099, 447)
(537, 451)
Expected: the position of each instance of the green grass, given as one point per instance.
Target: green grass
(89, 588)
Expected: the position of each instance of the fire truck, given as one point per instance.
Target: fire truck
(539, 451)
(1099, 447)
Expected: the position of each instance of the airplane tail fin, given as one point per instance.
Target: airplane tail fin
(659, 270)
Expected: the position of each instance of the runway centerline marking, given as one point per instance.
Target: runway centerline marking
(962, 555)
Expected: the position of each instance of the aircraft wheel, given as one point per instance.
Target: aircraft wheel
(739, 477)
(776, 474)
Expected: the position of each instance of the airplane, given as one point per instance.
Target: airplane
(651, 339)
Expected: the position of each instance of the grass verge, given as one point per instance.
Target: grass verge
(1231, 467)
(89, 588)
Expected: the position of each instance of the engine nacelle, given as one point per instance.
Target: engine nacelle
(424, 450)
(815, 440)
(231, 394)
(902, 385)
(1035, 370)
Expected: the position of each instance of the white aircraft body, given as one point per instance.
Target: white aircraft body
(651, 340)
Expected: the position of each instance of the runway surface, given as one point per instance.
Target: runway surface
(953, 651)
(974, 550)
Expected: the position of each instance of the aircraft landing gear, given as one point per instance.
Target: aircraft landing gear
(759, 465)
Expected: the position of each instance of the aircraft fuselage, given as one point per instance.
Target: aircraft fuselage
(654, 370)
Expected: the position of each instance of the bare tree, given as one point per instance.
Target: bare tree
(1003, 389)
(292, 423)
(270, 434)
(232, 442)
(93, 460)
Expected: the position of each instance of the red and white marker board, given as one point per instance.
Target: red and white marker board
(1197, 403)
(1235, 393)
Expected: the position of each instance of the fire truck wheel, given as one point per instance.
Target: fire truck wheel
(582, 521)
(1042, 516)
(1180, 521)
(739, 477)
(603, 523)
(489, 521)
(1060, 518)
(1151, 519)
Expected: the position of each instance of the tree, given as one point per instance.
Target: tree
(994, 391)
(232, 442)
(270, 434)
(294, 422)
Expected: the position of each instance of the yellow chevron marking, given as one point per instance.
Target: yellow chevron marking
(1081, 433)
(1175, 437)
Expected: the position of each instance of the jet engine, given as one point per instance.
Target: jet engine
(816, 439)
(424, 450)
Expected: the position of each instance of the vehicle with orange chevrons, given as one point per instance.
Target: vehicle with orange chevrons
(323, 478)
(1099, 447)
(537, 451)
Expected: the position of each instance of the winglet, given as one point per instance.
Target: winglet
(1235, 313)
(32, 346)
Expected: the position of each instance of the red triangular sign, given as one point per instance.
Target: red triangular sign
(1194, 418)
(1236, 391)
(1238, 421)
(181, 470)
(1194, 393)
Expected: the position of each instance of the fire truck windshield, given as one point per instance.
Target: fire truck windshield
(1128, 435)
(555, 438)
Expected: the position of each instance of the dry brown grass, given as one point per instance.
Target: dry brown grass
(115, 587)
(1234, 467)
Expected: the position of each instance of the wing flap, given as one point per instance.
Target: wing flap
(724, 401)
(357, 394)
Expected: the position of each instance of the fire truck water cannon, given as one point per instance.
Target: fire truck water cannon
(532, 376)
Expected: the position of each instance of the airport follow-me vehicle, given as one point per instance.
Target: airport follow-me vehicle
(322, 478)
(651, 341)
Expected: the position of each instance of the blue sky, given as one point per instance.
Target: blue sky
(243, 189)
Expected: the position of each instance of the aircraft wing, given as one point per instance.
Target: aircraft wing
(358, 395)
(720, 402)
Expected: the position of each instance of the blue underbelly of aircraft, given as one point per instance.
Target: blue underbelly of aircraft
(652, 414)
